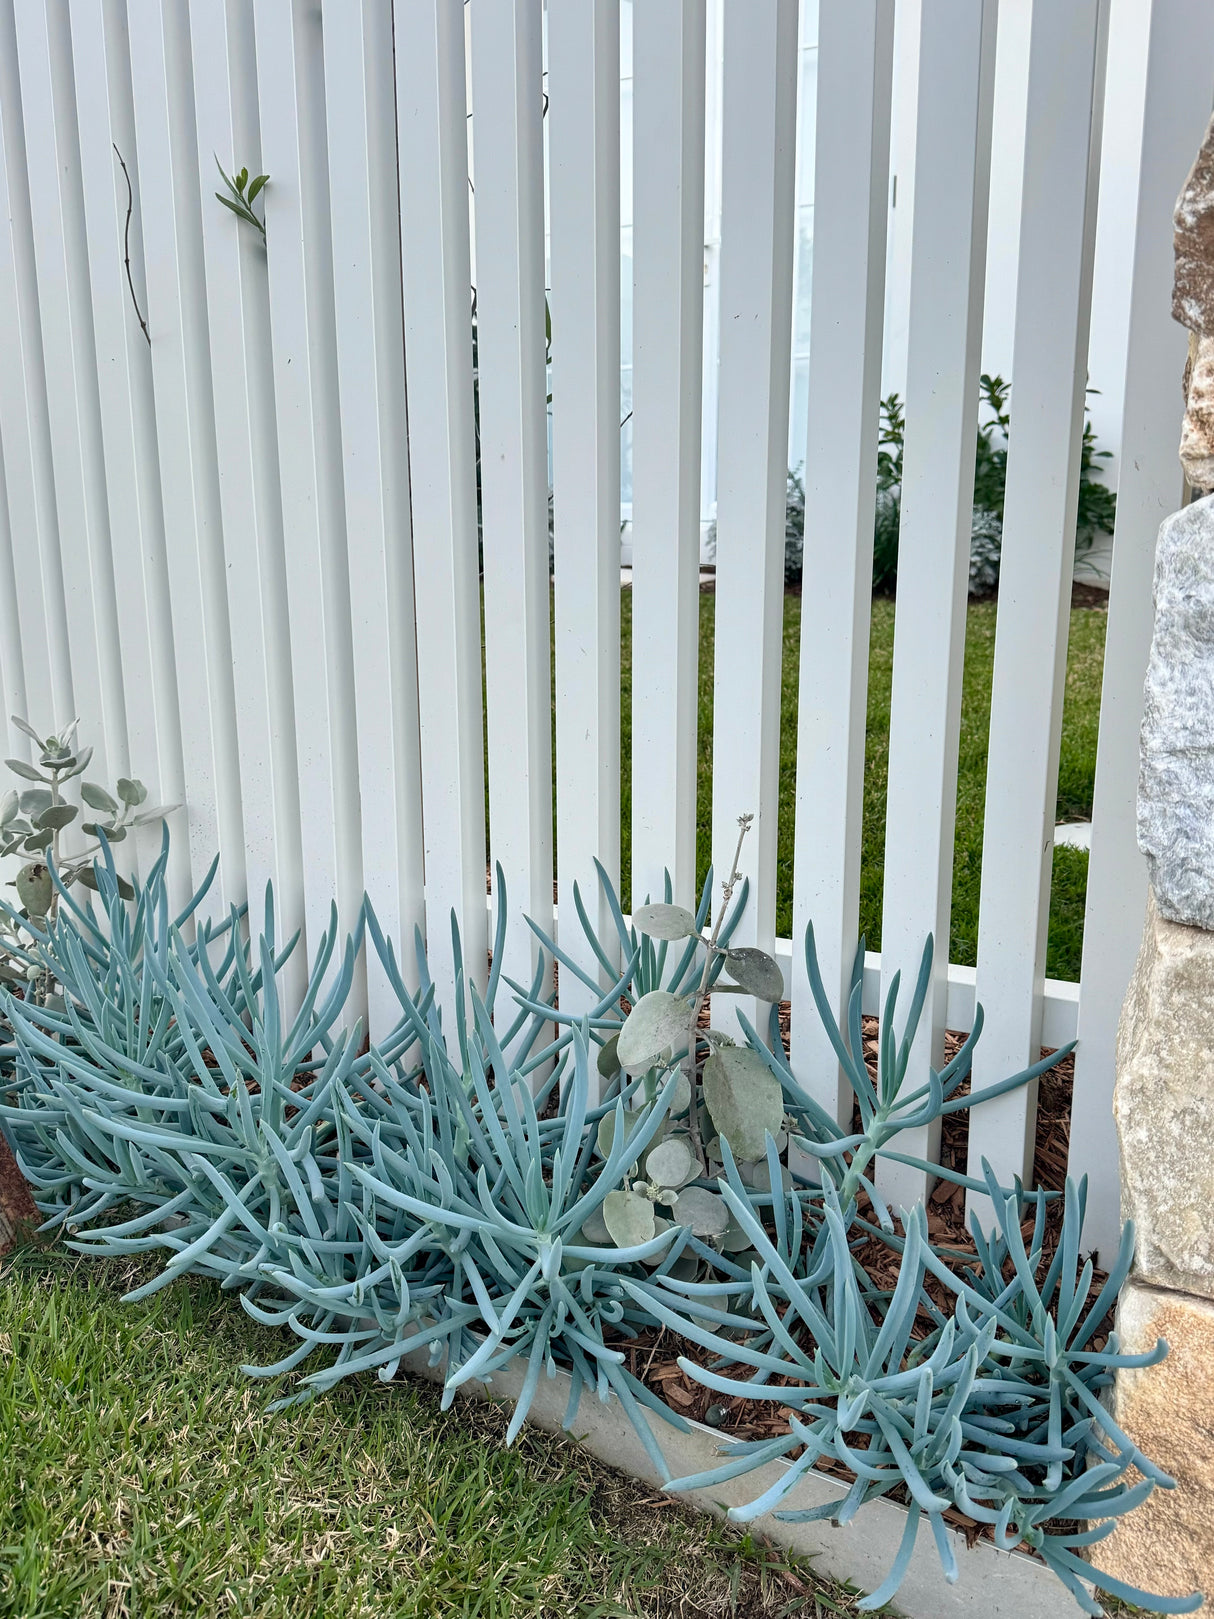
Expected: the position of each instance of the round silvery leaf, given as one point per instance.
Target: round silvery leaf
(670, 1163)
(703, 1211)
(594, 1232)
(35, 889)
(605, 1137)
(758, 1176)
(34, 800)
(744, 1099)
(658, 1022)
(608, 1062)
(757, 972)
(664, 921)
(629, 1218)
(659, 1225)
(735, 1240)
(685, 1268)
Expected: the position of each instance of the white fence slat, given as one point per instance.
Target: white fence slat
(1049, 365)
(168, 170)
(12, 667)
(851, 180)
(65, 306)
(584, 204)
(667, 342)
(225, 113)
(361, 113)
(100, 55)
(508, 168)
(433, 155)
(36, 666)
(948, 271)
(1180, 81)
(291, 93)
(757, 167)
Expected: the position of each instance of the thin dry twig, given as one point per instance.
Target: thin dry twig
(126, 245)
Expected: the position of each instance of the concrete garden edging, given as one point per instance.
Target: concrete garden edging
(991, 1584)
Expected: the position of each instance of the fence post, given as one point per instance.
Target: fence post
(508, 165)
(1049, 370)
(584, 199)
(667, 344)
(757, 168)
(948, 269)
(432, 148)
(851, 181)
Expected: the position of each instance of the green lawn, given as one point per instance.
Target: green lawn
(141, 1476)
(1077, 769)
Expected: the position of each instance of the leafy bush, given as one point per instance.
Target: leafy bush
(1097, 509)
(428, 1191)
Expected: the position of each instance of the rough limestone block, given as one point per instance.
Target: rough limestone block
(1176, 770)
(1197, 433)
(1193, 286)
(1167, 1544)
(1164, 1106)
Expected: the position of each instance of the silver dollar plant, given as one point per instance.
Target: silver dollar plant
(34, 823)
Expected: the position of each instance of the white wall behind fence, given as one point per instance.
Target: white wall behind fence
(247, 547)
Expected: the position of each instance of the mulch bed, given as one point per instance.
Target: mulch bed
(654, 1356)
(16, 1202)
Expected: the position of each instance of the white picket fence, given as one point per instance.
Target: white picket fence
(254, 575)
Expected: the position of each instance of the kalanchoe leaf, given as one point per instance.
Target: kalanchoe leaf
(656, 1025)
(98, 799)
(130, 791)
(665, 921)
(607, 1062)
(629, 1218)
(25, 771)
(56, 816)
(756, 972)
(28, 729)
(744, 1099)
(9, 806)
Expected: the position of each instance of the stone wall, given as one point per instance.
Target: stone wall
(1164, 1096)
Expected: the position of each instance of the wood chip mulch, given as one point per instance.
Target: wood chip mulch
(654, 1356)
(16, 1202)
